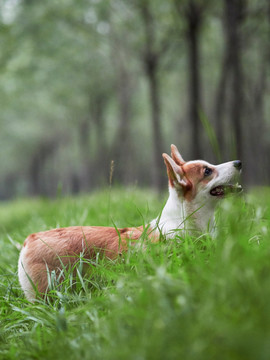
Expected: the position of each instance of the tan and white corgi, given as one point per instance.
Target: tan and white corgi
(195, 187)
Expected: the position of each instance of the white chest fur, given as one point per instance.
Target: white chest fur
(179, 215)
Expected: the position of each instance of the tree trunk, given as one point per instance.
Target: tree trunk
(101, 163)
(193, 15)
(37, 175)
(122, 148)
(220, 102)
(85, 176)
(123, 141)
(256, 149)
(154, 93)
(34, 174)
(234, 10)
(151, 61)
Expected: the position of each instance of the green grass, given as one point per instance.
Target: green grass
(191, 298)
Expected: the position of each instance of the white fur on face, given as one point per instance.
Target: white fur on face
(226, 174)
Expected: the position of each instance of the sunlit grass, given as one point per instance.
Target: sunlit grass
(191, 298)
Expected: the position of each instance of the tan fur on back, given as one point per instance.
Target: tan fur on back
(50, 249)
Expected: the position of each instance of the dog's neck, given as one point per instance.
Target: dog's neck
(180, 216)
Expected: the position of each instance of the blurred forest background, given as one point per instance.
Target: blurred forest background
(84, 82)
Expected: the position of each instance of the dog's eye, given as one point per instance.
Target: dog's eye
(207, 171)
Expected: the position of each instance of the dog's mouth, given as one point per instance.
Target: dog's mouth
(222, 190)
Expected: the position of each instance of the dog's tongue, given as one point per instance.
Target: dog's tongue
(222, 189)
(218, 191)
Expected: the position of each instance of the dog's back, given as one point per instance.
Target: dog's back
(50, 250)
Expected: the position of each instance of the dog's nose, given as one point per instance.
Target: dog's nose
(237, 164)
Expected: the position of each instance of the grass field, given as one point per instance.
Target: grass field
(188, 298)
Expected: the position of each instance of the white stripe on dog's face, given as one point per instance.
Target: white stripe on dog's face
(207, 180)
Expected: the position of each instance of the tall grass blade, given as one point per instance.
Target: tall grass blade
(210, 134)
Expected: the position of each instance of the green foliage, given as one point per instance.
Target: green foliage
(190, 298)
(74, 88)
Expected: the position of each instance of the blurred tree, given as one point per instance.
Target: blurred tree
(234, 14)
(255, 136)
(68, 110)
(153, 49)
(191, 12)
(86, 82)
(151, 60)
(123, 146)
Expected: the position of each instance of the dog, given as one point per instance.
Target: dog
(195, 187)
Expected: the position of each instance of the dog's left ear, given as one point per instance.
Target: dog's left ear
(176, 156)
(175, 173)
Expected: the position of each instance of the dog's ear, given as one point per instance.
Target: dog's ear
(176, 156)
(175, 173)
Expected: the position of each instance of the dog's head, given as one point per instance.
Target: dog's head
(200, 180)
